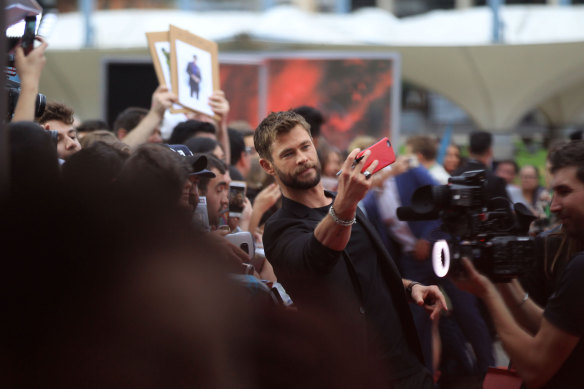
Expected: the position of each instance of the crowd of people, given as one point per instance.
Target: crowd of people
(122, 268)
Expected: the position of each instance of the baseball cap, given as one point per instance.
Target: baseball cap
(198, 162)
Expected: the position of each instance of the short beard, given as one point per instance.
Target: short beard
(291, 181)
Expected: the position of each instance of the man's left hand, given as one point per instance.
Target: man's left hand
(429, 297)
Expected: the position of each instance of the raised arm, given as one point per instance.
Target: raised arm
(29, 68)
(162, 99)
(220, 107)
(353, 185)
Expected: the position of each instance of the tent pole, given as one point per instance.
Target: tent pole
(86, 7)
(495, 6)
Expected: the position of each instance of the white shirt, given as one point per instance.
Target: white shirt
(438, 173)
(388, 201)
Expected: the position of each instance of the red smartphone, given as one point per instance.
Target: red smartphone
(380, 151)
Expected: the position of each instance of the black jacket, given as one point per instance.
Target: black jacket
(297, 256)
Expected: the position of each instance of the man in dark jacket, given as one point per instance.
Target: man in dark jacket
(317, 237)
(481, 158)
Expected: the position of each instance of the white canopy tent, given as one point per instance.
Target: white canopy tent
(540, 64)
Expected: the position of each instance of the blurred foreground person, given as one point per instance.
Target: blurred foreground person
(119, 289)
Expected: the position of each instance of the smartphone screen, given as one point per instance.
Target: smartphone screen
(236, 198)
(29, 34)
(201, 217)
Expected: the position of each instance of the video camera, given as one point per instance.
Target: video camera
(490, 232)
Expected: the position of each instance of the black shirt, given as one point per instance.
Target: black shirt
(565, 310)
(389, 345)
(371, 283)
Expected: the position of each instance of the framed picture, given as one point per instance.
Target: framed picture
(159, 44)
(194, 69)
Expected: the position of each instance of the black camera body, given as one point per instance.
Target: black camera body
(13, 92)
(490, 232)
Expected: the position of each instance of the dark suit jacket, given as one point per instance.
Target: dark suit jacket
(496, 186)
(294, 251)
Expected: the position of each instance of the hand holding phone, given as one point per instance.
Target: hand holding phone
(381, 152)
(236, 198)
(28, 37)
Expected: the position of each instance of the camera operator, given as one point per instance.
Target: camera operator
(319, 238)
(545, 345)
(29, 68)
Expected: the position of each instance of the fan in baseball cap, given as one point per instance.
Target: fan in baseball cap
(198, 162)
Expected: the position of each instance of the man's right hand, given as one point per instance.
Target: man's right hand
(353, 185)
(29, 67)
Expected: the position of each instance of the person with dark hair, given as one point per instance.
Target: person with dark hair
(216, 191)
(128, 119)
(104, 136)
(190, 129)
(545, 345)
(135, 126)
(88, 126)
(508, 169)
(58, 117)
(33, 163)
(246, 131)
(158, 171)
(240, 154)
(314, 118)
(452, 159)
(481, 158)
(204, 145)
(424, 149)
(322, 238)
(531, 191)
(91, 173)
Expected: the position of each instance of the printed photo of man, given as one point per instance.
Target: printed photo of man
(194, 73)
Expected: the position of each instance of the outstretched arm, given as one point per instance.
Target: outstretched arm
(536, 358)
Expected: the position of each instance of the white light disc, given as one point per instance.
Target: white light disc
(439, 251)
